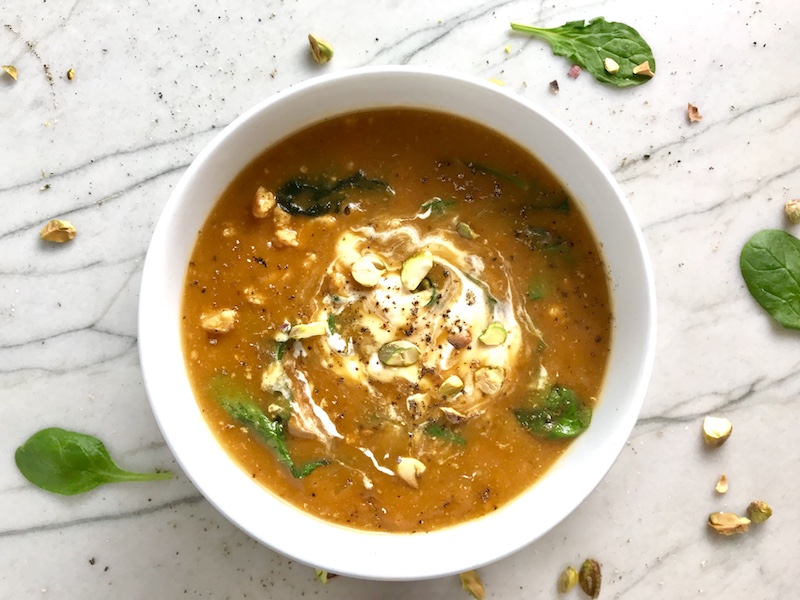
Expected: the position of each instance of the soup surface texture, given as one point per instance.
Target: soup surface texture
(396, 320)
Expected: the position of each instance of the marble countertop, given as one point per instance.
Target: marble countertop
(152, 86)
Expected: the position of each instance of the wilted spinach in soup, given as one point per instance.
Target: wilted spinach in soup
(396, 320)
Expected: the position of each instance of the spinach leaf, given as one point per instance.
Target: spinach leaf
(68, 463)
(301, 196)
(535, 290)
(770, 265)
(331, 323)
(437, 206)
(439, 431)
(539, 199)
(540, 238)
(238, 404)
(589, 44)
(561, 416)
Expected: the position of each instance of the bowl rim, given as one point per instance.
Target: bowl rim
(335, 548)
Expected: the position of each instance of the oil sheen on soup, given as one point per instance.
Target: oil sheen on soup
(396, 320)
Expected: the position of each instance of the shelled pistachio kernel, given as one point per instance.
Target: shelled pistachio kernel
(320, 49)
(71, 74)
(567, 580)
(792, 208)
(716, 430)
(398, 354)
(494, 335)
(368, 270)
(451, 386)
(307, 330)
(610, 65)
(415, 269)
(590, 577)
(465, 231)
(489, 380)
(409, 469)
(58, 231)
(471, 582)
(726, 523)
(759, 511)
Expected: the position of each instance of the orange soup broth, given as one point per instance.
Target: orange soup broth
(421, 155)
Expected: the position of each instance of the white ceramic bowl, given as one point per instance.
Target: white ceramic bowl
(393, 556)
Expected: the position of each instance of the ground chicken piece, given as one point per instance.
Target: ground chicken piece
(284, 235)
(221, 321)
(263, 203)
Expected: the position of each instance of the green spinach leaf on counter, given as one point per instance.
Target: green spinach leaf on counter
(589, 44)
(68, 463)
(561, 416)
(770, 265)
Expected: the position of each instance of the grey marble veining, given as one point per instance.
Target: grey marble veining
(153, 85)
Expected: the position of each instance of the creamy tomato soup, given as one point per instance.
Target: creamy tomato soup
(396, 320)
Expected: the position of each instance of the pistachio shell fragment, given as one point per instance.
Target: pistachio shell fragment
(471, 582)
(368, 270)
(567, 580)
(722, 484)
(590, 577)
(465, 231)
(716, 430)
(451, 386)
(409, 469)
(307, 330)
(398, 354)
(489, 380)
(726, 523)
(759, 511)
(452, 415)
(320, 49)
(610, 65)
(415, 269)
(494, 335)
(58, 231)
(11, 70)
(221, 321)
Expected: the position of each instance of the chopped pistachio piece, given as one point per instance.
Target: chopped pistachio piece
(320, 49)
(465, 231)
(489, 380)
(471, 582)
(451, 386)
(611, 65)
(452, 415)
(726, 523)
(398, 354)
(759, 511)
(307, 330)
(221, 321)
(590, 577)
(368, 270)
(494, 335)
(567, 580)
(409, 469)
(643, 69)
(415, 269)
(58, 231)
(71, 74)
(716, 430)
(792, 208)
(722, 484)
(11, 70)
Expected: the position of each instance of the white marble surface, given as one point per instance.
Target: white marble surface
(154, 81)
